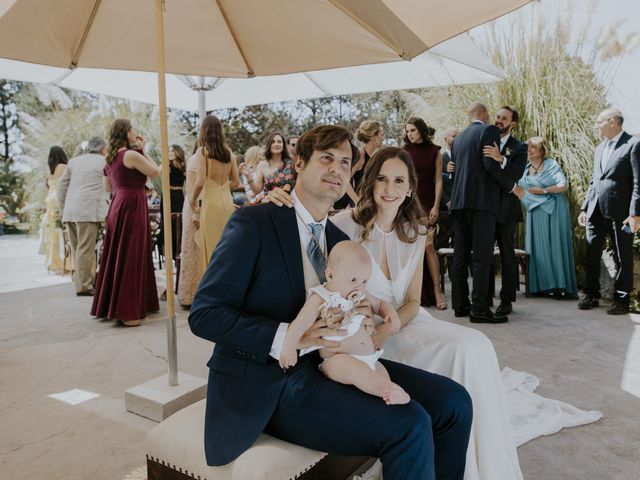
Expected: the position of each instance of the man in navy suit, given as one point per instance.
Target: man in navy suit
(612, 201)
(511, 155)
(254, 286)
(475, 200)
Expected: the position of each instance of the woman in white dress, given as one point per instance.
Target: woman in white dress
(385, 222)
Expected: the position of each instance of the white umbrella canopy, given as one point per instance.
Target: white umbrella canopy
(234, 38)
(455, 61)
(229, 38)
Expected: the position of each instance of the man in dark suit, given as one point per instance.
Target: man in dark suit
(612, 202)
(255, 285)
(511, 155)
(445, 229)
(474, 206)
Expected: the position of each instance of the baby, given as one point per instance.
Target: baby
(347, 273)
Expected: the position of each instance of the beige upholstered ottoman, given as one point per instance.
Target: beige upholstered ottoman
(175, 450)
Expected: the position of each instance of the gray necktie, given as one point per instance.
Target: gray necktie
(315, 253)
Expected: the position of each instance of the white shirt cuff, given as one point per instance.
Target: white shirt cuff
(504, 162)
(278, 340)
(514, 187)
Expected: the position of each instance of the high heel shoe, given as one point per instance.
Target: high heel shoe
(131, 323)
(441, 301)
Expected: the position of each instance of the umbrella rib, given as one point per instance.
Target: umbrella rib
(399, 51)
(250, 71)
(317, 84)
(85, 34)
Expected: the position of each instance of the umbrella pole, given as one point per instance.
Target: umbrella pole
(166, 194)
(202, 104)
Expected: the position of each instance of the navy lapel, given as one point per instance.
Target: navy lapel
(286, 226)
(624, 138)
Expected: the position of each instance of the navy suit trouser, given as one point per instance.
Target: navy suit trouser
(422, 440)
(473, 231)
(506, 239)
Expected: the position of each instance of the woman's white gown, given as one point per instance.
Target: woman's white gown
(460, 353)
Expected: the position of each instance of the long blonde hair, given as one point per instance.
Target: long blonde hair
(252, 156)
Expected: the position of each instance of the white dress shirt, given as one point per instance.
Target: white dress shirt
(304, 218)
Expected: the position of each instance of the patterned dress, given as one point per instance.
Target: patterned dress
(285, 175)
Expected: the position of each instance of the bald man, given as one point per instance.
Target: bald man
(612, 208)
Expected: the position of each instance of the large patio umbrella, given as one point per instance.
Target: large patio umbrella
(454, 62)
(229, 38)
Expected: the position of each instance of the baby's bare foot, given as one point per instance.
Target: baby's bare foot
(395, 395)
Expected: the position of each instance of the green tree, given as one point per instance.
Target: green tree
(11, 191)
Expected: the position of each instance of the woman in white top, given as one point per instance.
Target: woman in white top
(391, 226)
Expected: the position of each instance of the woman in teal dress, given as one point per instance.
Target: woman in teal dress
(548, 226)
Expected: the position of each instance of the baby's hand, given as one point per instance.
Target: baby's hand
(288, 358)
(394, 321)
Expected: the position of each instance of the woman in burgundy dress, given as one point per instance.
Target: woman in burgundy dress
(126, 285)
(428, 162)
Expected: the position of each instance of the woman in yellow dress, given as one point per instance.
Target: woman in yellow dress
(217, 176)
(53, 232)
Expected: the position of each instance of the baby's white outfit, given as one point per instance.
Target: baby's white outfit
(351, 322)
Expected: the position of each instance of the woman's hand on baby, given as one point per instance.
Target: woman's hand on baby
(394, 321)
(313, 336)
(381, 334)
(280, 196)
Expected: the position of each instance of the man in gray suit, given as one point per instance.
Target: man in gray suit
(83, 202)
(612, 208)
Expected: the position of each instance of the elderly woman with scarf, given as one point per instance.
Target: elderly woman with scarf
(548, 226)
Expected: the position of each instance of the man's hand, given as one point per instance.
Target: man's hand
(280, 196)
(492, 151)
(582, 219)
(313, 336)
(519, 192)
(451, 167)
(634, 223)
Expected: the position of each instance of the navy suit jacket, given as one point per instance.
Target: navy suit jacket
(510, 209)
(616, 190)
(254, 281)
(478, 179)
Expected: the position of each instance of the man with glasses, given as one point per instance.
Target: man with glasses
(612, 208)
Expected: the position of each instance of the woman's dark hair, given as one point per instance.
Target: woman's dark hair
(118, 138)
(212, 140)
(424, 130)
(267, 149)
(180, 162)
(56, 157)
(411, 219)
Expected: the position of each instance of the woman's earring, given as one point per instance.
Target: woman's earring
(409, 194)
